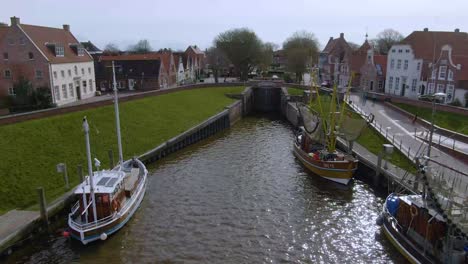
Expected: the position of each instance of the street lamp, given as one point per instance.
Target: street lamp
(433, 98)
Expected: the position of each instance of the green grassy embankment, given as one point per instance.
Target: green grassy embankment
(31, 149)
(451, 121)
(372, 140)
(295, 91)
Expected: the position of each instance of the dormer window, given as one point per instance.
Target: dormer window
(80, 51)
(31, 55)
(59, 51)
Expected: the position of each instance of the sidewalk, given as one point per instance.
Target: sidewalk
(402, 133)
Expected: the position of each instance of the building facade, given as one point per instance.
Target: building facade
(426, 62)
(47, 57)
(335, 62)
(372, 72)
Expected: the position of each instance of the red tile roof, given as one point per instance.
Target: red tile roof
(129, 57)
(42, 35)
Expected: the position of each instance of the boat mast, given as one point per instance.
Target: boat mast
(117, 118)
(90, 166)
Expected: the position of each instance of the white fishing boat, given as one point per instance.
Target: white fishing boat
(107, 199)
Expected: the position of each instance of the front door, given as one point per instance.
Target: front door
(372, 85)
(78, 90)
(131, 84)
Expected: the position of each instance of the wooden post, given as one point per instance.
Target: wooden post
(42, 205)
(378, 169)
(415, 129)
(111, 158)
(350, 147)
(80, 173)
(409, 148)
(439, 138)
(65, 175)
(453, 147)
(393, 139)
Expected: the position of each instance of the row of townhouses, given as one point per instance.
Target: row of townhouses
(423, 63)
(54, 58)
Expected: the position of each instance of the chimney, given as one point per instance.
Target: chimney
(341, 35)
(66, 27)
(457, 30)
(426, 29)
(331, 38)
(15, 21)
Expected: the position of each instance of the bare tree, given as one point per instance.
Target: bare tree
(143, 46)
(386, 39)
(301, 51)
(217, 60)
(266, 58)
(111, 48)
(242, 47)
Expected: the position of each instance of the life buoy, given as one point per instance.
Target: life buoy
(371, 118)
(413, 210)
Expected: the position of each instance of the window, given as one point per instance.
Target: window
(89, 70)
(76, 70)
(440, 88)
(21, 41)
(390, 82)
(84, 87)
(55, 75)
(393, 50)
(57, 93)
(5, 55)
(407, 51)
(11, 41)
(62, 72)
(431, 88)
(70, 89)
(434, 72)
(64, 91)
(450, 75)
(413, 85)
(69, 73)
(11, 91)
(397, 83)
(82, 71)
(398, 66)
(90, 85)
(38, 74)
(405, 66)
(418, 67)
(7, 74)
(380, 84)
(59, 51)
(442, 72)
(31, 55)
(80, 51)
(392, 64)
(400, 51)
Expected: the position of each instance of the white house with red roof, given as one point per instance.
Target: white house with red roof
(426, 62)
(47, 57)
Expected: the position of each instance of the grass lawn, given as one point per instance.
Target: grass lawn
(295, 91)
(31, 149)
(452, 121)
(373, 141)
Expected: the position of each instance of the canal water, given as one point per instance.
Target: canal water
(240, 197)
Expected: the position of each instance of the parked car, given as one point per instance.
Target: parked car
(326, 84)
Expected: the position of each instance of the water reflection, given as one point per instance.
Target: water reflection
(239, 198)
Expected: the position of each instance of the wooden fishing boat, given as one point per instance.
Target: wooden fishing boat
(315, 146)
(338, 167)
(107, 199)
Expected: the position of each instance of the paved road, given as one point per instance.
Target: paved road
(403, 129)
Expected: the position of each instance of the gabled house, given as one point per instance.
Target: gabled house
(372, 72)
(133, 72)
(180, 69)
(195, 62)
(335, 62)
(47, 57)
(167, 58)
(426, 62)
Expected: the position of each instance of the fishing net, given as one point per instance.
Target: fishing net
(312, 123)
(351, 128)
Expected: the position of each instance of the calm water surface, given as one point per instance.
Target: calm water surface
(238, 198)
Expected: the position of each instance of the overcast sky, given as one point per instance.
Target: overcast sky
(178, 23)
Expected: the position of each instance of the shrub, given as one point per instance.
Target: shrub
(456, 102)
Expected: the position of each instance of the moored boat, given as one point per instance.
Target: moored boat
(107, 199)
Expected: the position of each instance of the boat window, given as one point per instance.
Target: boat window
(111, 182)
(103, 181)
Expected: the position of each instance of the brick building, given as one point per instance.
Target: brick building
(47, 57)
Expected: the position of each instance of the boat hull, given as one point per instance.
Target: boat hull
(109, 227)
(341, 172)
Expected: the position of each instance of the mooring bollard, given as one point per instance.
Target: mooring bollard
(80, 173)
(111, 158)
(378, 169)
(43, 205)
